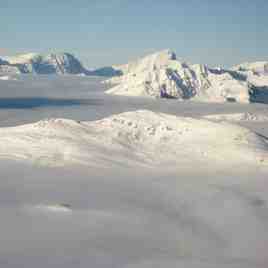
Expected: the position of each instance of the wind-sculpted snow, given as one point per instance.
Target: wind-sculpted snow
(139, 138)
(150, 75)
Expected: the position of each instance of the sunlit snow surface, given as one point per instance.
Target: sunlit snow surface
(161, 213)
(134, 139)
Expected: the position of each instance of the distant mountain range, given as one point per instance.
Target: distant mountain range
(156, 75)
(162, 75)
(58, 63)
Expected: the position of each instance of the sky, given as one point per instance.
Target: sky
(105, 32)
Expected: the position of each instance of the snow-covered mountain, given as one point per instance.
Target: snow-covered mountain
(60, 63)
(162, 72)
(257, 68)
(142, 138)
(156, 75)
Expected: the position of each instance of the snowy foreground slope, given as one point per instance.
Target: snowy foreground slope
(141, 189)
(146, 77)
(139, 138)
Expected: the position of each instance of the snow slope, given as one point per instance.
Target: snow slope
(139, 138)
(146, 77)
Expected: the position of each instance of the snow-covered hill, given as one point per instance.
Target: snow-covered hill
(161, 71)
(142, 138)
(60, 63)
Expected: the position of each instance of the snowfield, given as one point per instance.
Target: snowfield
(132, 139)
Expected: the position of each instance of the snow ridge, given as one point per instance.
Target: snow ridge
(135, 138)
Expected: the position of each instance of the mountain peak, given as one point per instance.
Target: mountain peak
(161, 75)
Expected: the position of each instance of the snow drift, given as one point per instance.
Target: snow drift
(140, 138)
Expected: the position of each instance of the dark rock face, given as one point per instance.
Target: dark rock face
(258, 93)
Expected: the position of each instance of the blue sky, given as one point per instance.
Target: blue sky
(115, 31)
